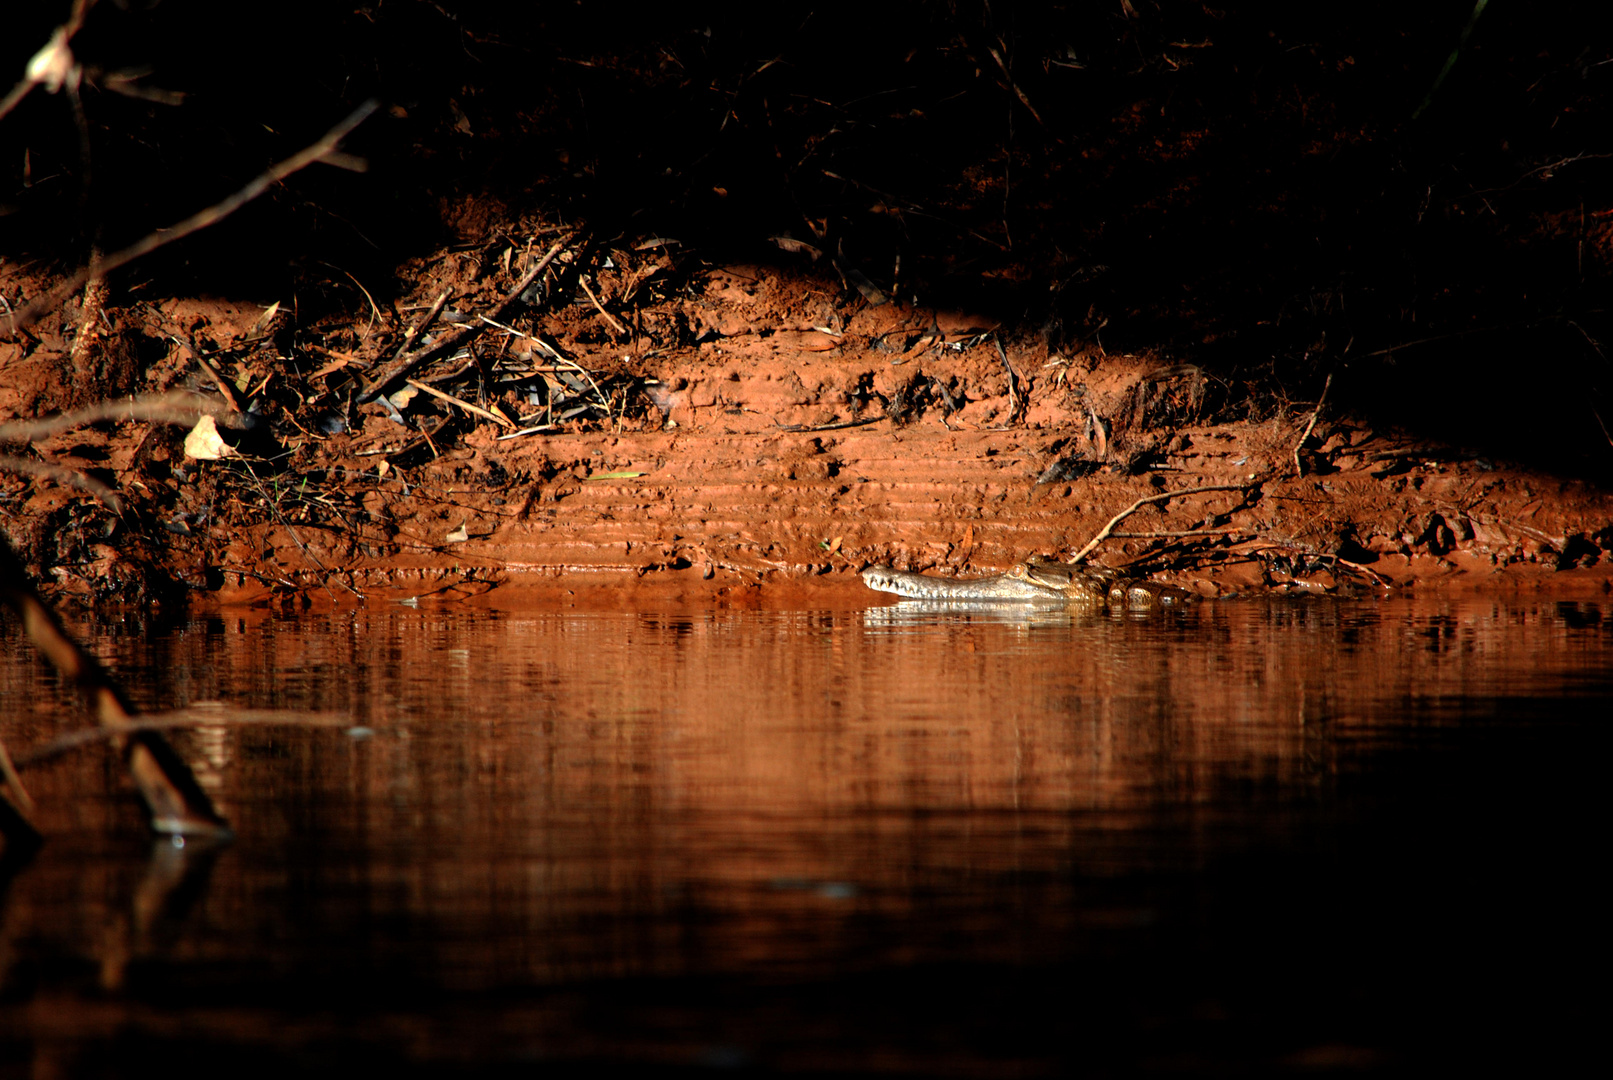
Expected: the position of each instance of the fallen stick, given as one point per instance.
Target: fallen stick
(415, 332)
(1013, 379)
(467, 406)
(1103, 534)
(1299, 468)
(208, 366)
(552, 351)
(1175, 535)
(864, 422)
(526, 431)
(615, 325)
(407, 364)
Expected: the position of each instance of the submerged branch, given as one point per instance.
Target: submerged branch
(174, 800)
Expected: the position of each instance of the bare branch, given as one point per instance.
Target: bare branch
(1103, 534)
(1299, 468)
(176, 408)
(63, 475)
(325, 147)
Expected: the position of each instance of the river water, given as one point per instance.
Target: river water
(1263, 837)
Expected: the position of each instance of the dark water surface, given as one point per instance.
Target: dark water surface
(1244, 838)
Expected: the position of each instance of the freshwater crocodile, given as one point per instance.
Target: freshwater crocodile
(1034, 580)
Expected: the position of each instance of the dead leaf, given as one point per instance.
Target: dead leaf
(204, 442)
(796, 247)
(924, 342)
(458, 536)
(869, 290)
(332, 365)
(267, 317)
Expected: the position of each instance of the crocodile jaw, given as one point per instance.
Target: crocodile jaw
(923, 587)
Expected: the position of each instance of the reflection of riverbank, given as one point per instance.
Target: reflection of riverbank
(827, 708)
(558, 801)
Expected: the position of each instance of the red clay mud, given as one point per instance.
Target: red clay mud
(801, 437)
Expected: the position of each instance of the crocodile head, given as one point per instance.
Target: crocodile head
(1068, 581)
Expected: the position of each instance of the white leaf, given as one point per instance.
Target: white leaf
(204, 443)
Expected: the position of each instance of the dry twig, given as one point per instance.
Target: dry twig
(176, 408)
(323, 149)
(1299, 469)
(1103, 534)
(415, 332)
(223, 384)
(407, 364)
(62, 475)
(614, 324)
(1013, 380)
(467, 406)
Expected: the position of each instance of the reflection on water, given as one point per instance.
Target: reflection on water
(1241, 836)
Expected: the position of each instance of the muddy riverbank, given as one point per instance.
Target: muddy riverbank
(727, 306)
(778, 459)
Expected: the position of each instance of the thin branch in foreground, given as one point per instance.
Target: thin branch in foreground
(194, 716)
(1103, 534)
(13, 783)
(324, 149)
(68, 477)
(53, 66)
(176, 408)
